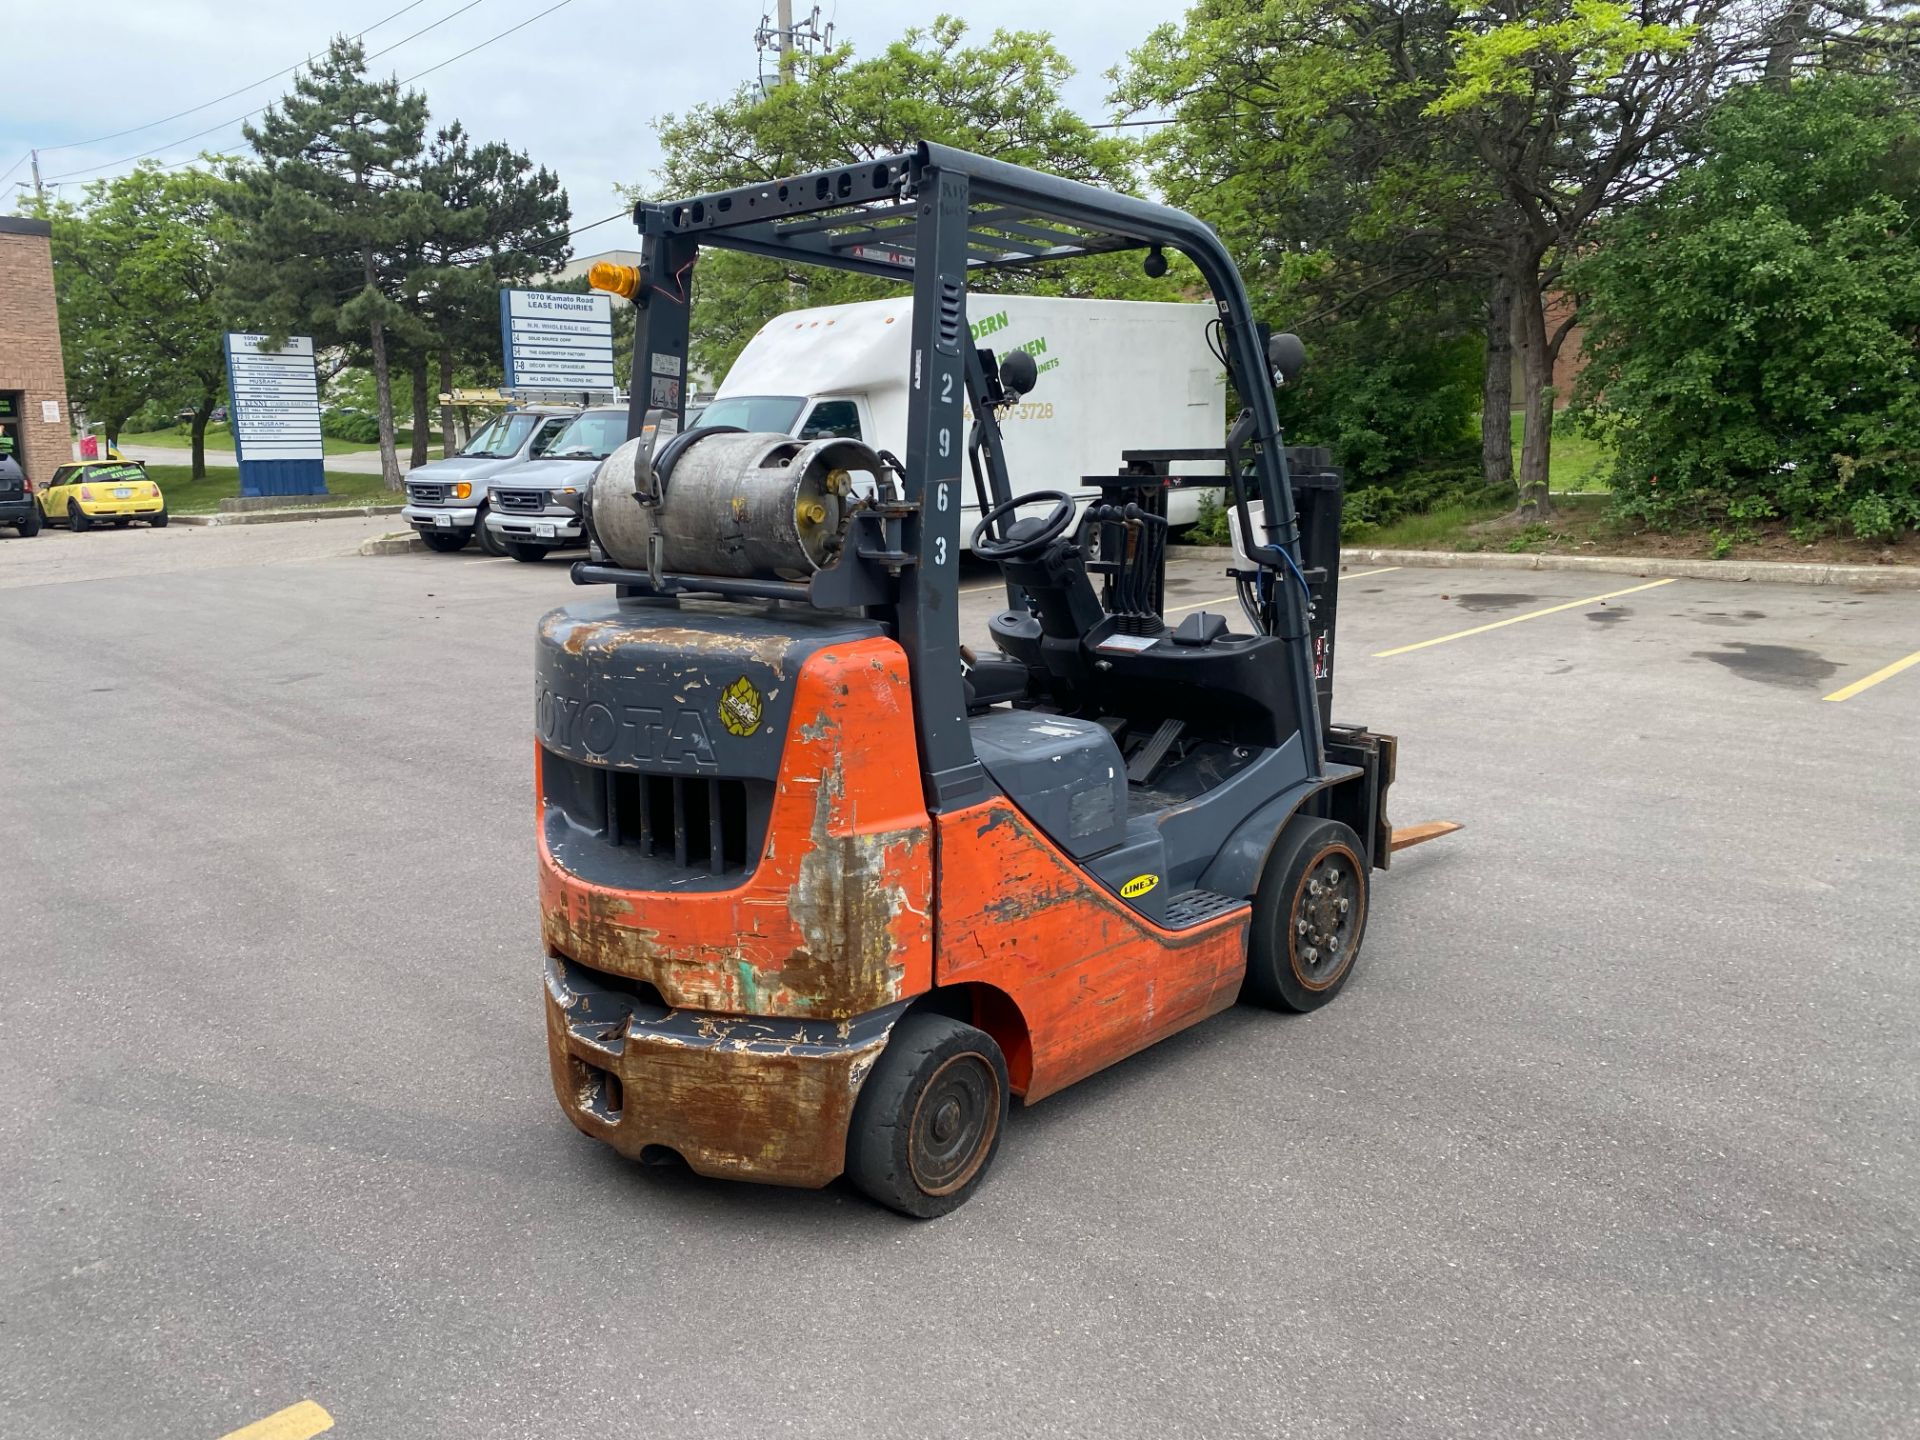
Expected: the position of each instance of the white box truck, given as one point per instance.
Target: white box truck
(1106, 368)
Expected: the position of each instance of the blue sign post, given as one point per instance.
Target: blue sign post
(275, 416)
(557, 341)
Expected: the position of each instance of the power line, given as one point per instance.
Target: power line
(180, 114)
(484, 43)
(239, 119)
(15, 166)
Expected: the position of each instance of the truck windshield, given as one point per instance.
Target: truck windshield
(502, 438)
(761, 414)
(592, 436)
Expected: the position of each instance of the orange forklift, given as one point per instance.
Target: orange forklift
(821, 888)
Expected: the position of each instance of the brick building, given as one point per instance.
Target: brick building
(33, 382)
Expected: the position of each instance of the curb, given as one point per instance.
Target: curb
(280, 517)
(1776, 572)
(393, 545)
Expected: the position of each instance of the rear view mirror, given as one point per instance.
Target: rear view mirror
(1286, 356)
(1018, 372)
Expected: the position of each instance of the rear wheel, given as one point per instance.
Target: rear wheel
(76, 517)
(446, 541)
(489, 542)
(158, 520)
(31, 525)
(523, 551)
(1309, 916)
(929, 1117)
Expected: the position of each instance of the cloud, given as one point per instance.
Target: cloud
(578, 91)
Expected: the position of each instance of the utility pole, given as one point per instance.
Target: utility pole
(788, 42)
(39, 190)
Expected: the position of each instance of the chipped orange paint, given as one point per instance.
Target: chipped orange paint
(1094, 980)
(836, 918)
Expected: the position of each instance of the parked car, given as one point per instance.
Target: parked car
(534, 508)
(94, 492)
(18, 505)
(447, 499)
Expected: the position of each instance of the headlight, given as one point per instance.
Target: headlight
(569, 497)
(462, 490)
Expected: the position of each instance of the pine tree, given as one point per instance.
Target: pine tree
(495, 220)
(330, 203)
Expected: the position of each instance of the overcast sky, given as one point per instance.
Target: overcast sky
(578, 89)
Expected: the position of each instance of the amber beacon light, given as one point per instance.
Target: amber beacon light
(621, 280)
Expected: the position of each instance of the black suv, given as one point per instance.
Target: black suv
(17, 505)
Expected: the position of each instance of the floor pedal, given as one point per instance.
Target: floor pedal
(1140, 769)
(1195, 906)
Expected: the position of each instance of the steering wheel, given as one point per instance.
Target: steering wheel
(987, 547)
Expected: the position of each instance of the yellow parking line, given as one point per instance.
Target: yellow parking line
(1362, 574)
(1516, 619)
(1847, 692)
(296, 1422)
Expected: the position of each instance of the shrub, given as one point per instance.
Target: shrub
(1751, 348)
(354, 426)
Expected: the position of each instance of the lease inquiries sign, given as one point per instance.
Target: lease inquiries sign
(557, 341)
(275, 415)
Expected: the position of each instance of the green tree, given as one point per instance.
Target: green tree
(1000, 98)
(493, 220)
(137, 268)
(1397, 136)
(1751, 349)
(330, 201)
(1301, 134)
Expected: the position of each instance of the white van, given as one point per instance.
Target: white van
(1114, 375)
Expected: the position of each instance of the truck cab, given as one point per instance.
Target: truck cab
(1108, 367)
(535, 507)
(447, 499)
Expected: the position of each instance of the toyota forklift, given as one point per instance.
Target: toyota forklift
(821, 887)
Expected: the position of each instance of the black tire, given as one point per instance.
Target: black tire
(158, 520)
(489, 542)
(929, 1118)
(530, 554)
(446, 541)
(77, 520)
(30, 526)
(1309, 916)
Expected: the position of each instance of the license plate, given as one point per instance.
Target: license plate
(443, 522)
(122, 493)
(545, 532)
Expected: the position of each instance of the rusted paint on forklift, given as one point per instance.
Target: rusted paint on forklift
(835, 919)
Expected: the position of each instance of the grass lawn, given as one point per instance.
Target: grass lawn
(219, 438)
(1575, 463)
(187, 496)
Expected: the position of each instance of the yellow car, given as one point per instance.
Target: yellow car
(97, 491)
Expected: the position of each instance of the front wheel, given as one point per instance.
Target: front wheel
(1309, 916)
(489, 542)
(446, 541)
(530, 554)
(929, 1118)
(76, 517)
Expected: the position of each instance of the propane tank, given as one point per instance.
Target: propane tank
(732, 503)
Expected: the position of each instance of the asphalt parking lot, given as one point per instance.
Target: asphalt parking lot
(1612, 1134)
